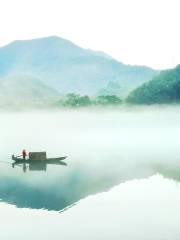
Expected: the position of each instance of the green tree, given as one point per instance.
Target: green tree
(75, 100)
(108, 100)
(164, 88)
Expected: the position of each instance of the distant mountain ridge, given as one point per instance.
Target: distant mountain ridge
(65, 67)
(23, 90)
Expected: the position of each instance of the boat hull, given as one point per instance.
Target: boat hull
(45, 161)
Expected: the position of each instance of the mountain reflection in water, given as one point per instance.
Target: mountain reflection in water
(57, 188)
(138, 209)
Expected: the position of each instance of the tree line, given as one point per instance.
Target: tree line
(77, 100)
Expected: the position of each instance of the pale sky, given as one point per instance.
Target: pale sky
(138, 32)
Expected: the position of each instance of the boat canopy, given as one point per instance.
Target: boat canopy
(37, 155)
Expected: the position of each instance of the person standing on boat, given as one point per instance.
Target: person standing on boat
(24, 154)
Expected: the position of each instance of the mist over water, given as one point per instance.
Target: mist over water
(104, 149)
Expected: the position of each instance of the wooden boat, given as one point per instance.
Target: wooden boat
(37, 161)
(38, 157)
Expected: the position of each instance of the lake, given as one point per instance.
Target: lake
(121, 179)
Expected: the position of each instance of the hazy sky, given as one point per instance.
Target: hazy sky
(142, 32)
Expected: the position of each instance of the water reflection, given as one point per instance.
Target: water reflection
(59, 187)
(40, 166)
(139, 209)
(168, 171)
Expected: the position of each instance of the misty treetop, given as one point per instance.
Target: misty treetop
(108, 100)
(76, 100)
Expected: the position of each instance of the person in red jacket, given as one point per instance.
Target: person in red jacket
(24, 154)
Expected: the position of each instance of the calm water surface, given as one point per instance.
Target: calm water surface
(135, 150)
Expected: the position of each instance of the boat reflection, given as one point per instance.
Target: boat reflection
(37, 166)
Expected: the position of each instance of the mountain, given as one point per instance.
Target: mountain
(23, 90)
(62, 65)
(164, 88)
(112, 88)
